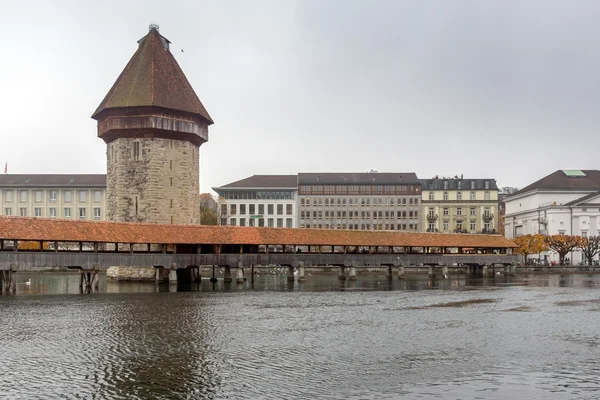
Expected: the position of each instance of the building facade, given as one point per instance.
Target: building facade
(260, 200)
(459, 205)
(359, 201)
(153, 125)
(79, 197)
(566, 202)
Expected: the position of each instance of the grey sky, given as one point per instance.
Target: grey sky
(501, 89)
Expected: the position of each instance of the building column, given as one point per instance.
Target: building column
(173, 274)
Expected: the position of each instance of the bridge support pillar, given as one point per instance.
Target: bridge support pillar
(8, 281)
(213, 279)
(445, 271)
(513, 270)
(352, 276)
(227, 274)
(96, 277)
(173, 274)
(157, 275)
(431, 273)
(290, 274)
(239, 278)
(401, 272)
(390, 272)
(484, 271)
(342, 275)
(301, 277)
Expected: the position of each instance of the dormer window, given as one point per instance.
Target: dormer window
(445, 185)
(487, 185)
(472, 185)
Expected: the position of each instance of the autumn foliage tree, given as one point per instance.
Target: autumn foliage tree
(563, 244)
(590, 246)
(208, 209)
(530, 244)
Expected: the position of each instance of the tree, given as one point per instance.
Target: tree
(563, 244)
(208, 209)
(530, 244)
(590, 247)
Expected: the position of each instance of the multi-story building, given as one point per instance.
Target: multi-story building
(260, 200)
(359, 201)
(53, 196)
(566, 202)
(460, 205)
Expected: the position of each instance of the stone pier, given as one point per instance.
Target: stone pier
(173, 274)
(301, 277)
(401, 272)
(290, 274)
(431, 273)
(239, 278)
(227, 275)
(342, 275)
(352, 276)
(445, 271)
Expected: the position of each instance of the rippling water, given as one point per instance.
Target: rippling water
(534, 337)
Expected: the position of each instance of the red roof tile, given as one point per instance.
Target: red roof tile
(120, 232)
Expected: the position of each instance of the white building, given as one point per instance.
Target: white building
(566, 202)
(53, 196)
(260, 200)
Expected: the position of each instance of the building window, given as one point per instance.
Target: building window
(288, 209)
(472, 211)
(171, 181)
(38, 196)
(261, 209)
(68, 196)
(37, 212)
(223, 209)
(97, 196)
(82, 213)
(223, 221)
(445, 195)
(472, 185)
(23, 196)
(251, 222)
(446, 211)
(8, 211)
(487, 185)
(233, 209)
(431, 197)
(487, 195)
(242, 210)
(288, 222)
(584, 234)
(136, 151)
(252, 209)
(459, 196)
(280, 209)
(280, 222)
(472, 196)
(67, 213)
(232, 221)
(459, 226)
(270, 209)
(261, 222)
(23, 212)
(53, 195)
(486, 227)
(445, 226)
(473, 225)
(242, 221)
(82, 196)
(445, 185)
(97, 214)
(459, 211)
(53, 213)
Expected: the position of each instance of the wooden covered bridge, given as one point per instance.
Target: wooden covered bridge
(36, 244)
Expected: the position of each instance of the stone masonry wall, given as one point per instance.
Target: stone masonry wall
(161, 186)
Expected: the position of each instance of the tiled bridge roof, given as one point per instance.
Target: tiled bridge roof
(39, 229)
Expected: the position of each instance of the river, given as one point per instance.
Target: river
(523, 337)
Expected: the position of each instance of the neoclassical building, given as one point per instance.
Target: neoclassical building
(459, 205)
(153, 124)
(75, 196)
(566, 202)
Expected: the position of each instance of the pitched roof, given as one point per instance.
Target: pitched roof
(53, 180)
(584, 199)
(566, 180)
(264, 181)
(361, 178)
(37, 229)
(152, 77)
(453, 184)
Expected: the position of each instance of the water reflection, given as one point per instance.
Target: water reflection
(527, 336)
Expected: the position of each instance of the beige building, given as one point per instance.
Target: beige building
(53, 196)
(459, 205)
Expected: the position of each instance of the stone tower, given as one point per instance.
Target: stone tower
(153, 125)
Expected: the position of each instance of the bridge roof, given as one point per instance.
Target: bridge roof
(19, 228)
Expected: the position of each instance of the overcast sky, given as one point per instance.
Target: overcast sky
(502, 89)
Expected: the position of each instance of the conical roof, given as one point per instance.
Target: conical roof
(153, 78)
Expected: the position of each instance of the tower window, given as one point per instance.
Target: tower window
(171, 164)
(136, 150)
(171, 181)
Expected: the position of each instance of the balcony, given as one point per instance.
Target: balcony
(432, 217)
(488, 217)
(543, 220)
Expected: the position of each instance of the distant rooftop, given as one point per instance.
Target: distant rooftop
(353, 178)
(458, 184)
(53, 180)
(263, 182)
(568, 179)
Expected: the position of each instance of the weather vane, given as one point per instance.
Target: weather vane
(153, 26)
